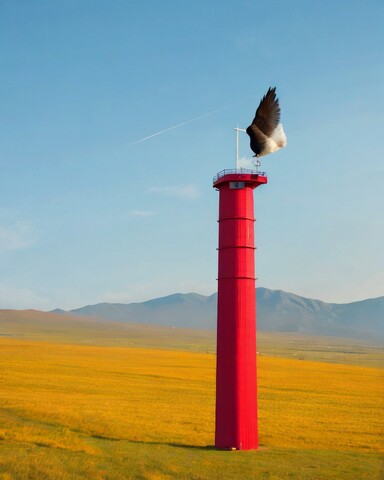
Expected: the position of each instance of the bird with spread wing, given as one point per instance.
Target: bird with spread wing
(266, 132)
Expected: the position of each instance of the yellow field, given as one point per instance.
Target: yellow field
(62, 406)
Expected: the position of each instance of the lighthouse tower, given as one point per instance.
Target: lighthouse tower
(236, 384)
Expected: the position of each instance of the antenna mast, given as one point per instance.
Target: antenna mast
(237, 129)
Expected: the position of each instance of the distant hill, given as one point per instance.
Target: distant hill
(277, 311)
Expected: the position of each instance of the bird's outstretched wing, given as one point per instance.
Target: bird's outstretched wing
(268, 113)
(265, 132)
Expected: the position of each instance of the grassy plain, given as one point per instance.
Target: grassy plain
(57, 328)
(72, 411)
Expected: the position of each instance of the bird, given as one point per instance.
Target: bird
(266, 132)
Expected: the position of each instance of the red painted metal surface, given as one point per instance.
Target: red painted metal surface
(236, 382)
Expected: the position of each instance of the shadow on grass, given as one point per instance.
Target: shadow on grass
(148, 442)
(169, 444)
(175, 444)
(197, 447)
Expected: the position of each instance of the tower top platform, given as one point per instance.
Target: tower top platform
(253, 177)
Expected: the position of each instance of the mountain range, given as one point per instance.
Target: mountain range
(277, 311)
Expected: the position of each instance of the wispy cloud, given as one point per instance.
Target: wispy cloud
(22, 298)
(178, 125)
(16, 236)
(179, 191)
(142, 213)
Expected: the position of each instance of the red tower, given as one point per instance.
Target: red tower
(236, 384)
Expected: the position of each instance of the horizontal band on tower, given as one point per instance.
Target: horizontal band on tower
(237, 218)
(236, 246)
(237, 278)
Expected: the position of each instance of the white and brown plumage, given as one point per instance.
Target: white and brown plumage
(266, 133)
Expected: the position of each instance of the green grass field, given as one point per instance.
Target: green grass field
(86, 408)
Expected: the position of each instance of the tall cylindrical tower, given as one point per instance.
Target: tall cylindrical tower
(236, 384)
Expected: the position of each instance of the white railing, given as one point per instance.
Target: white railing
(237, 171)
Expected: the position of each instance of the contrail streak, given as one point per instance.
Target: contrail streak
(185, 123)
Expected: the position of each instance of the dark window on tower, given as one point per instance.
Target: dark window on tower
(236, 185)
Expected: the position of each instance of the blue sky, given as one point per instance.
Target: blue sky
(88, 214)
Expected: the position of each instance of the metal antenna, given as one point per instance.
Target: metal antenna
(257, 164)
(237, 129)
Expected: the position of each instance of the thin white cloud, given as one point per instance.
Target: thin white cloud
(22, 298)
(16, 236)
(179, 191)
(142, 213)
(160, 132)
